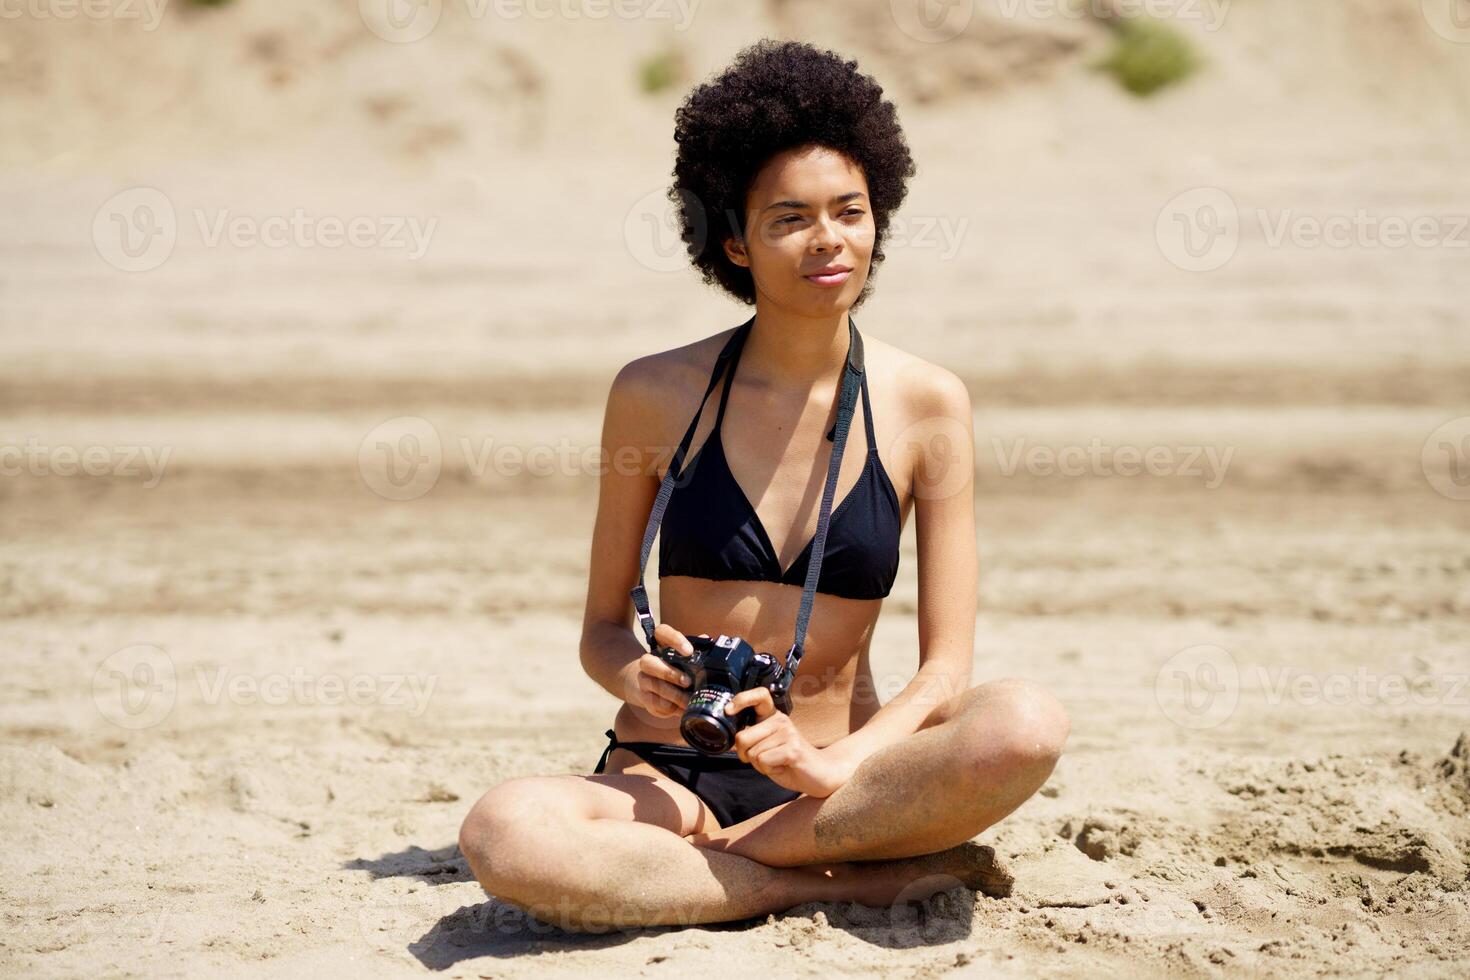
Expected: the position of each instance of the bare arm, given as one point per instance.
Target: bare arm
(944, 509)
(610, 648)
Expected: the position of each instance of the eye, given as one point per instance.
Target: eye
(857, 211)
(788, 219)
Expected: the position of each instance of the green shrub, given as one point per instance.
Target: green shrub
(659, 71)
(1147, 55)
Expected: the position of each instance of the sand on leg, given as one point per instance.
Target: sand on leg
(598, 852)
(977, 757)
(593, 853)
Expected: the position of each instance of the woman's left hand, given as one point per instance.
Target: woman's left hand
(777, 748)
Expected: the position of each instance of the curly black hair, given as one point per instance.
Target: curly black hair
(775, 96)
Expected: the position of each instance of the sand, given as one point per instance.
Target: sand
(253, 683)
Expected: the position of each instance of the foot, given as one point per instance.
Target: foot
(885, 883)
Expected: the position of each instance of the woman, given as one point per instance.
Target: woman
(842, 799)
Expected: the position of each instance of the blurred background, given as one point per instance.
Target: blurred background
(308, 314)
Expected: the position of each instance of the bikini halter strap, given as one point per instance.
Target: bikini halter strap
(852, 382)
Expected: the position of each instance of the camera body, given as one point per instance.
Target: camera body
(719, 669)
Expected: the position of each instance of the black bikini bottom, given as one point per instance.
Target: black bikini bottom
(733, 790)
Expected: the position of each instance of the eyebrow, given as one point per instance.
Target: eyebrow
(849, 196)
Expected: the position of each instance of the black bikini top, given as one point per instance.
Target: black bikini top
(853, 378)
(711, 530)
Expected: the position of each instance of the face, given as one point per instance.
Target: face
(807, 211)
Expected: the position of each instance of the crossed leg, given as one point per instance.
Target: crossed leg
(632, 847)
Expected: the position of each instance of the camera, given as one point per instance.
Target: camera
(719, 669)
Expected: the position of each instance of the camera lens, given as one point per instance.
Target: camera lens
(705, 724)
(706, 734)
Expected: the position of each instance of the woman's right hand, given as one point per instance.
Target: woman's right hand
(661, 689)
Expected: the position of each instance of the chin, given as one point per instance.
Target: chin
(833, 300)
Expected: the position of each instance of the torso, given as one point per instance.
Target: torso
(834, 693)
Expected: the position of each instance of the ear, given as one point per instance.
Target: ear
(735, 252)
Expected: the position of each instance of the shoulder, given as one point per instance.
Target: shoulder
(921, 389)
(665, 375)
(927, 402)
(661, 388)
(652, 374)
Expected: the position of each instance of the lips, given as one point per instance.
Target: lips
(832, 275)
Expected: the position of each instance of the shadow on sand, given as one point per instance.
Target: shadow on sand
(440, 936)
(499, 930)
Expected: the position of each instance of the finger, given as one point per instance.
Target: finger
(654, 705)
(767, 757)
(662, 704)
(660, 708)
(651, 666)
(666, 636)
(672, 693)
(752, 735)
(760, 737)
(663, 689)
(758, 698)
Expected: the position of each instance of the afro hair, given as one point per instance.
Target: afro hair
(776, 96)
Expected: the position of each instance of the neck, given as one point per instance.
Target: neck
(787, 350)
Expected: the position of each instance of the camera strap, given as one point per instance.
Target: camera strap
(847, 396)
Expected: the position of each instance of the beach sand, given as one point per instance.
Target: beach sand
(256, 676)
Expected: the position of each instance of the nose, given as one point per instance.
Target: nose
(826, 236)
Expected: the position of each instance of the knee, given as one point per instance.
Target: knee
(499, 835)
(1019, 725)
